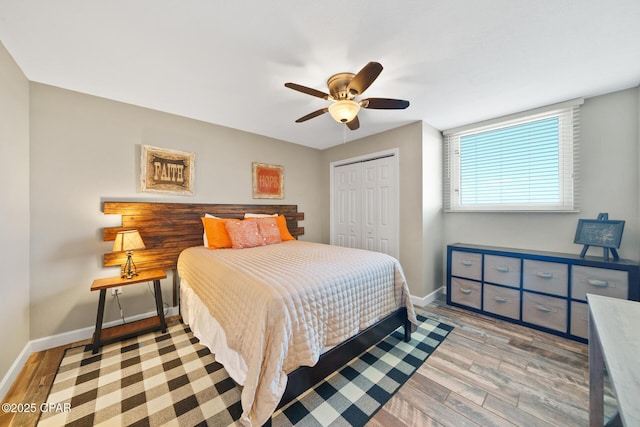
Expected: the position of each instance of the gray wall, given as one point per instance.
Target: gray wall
(432, 214)
(14, 211)
(86, 149)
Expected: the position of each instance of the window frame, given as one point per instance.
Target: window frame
(568, 157)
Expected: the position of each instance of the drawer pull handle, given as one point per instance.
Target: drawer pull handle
(544, 275)
(544, 309)
(598, 283)
(467, 263)
(465, 291)
(501, 300)
(503, 268)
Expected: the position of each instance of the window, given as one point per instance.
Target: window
(526, 162)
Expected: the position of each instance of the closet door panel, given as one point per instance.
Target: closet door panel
(386, 205)
(370, 214)
(347, 210)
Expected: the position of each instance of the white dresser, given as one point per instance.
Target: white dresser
(543, 290)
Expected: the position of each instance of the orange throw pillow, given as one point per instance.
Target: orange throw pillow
(217, 236)
(284, 231)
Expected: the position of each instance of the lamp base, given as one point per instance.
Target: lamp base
(129, 270)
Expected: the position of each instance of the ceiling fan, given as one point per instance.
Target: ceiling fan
(344, 88)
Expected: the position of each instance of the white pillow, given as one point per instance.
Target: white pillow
(257, 215)
(204, 235)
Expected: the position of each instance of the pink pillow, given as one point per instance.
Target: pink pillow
(269, 230)
(244, 234)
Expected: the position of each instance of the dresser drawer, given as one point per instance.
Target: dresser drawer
(579, 319)
(502, 270)
(547, 277)
(466, 264)
(546, 311)
(599, 281)
(466, 292)
(502, 301)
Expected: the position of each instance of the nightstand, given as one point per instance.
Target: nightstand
(132, 329)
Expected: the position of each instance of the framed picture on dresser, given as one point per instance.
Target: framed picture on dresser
(605, 234)
(600, 232)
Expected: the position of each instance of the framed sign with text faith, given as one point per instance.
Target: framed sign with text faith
(166, 171)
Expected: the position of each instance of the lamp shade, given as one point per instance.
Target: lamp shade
(344, 111)
(129, 240)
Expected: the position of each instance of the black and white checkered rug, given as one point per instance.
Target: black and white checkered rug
(170, 379)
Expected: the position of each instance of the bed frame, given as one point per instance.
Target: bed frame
(169, 228)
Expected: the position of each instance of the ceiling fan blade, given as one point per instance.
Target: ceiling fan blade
(307, 90)
(364, 78)
(384, 104)
(312, 115)
(354, 124)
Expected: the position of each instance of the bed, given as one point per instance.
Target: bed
(280, 317)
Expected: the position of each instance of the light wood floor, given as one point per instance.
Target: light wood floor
(486, 373)
(493, 373)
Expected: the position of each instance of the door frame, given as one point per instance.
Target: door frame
(393, 152)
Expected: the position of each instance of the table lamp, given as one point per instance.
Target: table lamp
(128, 241)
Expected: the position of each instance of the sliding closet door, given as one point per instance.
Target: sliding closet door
(378, 219)
(347, 201)
(365, 205)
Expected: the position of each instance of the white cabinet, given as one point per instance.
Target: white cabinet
(541, 290)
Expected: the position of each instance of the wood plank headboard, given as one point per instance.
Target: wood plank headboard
(169, 228)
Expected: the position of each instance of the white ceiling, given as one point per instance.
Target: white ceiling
(225, 62)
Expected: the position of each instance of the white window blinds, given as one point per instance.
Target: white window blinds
(527, 162)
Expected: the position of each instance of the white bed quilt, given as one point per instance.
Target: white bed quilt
(281, 305)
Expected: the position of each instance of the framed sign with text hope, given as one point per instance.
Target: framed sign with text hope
(268, 181)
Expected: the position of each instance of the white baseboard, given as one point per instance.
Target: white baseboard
(64, 338)
(423, 301)
(14, 370)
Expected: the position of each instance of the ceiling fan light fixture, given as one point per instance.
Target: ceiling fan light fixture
(344, 88)
(344, 111)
